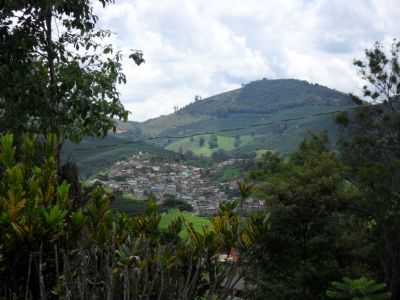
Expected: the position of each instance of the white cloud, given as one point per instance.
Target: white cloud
(208, 46)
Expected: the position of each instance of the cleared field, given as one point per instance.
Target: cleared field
(198, 222)
(226, 143)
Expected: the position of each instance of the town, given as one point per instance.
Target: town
(142, 176)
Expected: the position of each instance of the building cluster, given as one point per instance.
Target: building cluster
(142, 176)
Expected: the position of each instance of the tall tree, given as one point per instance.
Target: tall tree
(371, 148)
(213, 141)
(301, 252)
(57, 73)
(201, 141)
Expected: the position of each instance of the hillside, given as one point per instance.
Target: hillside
(93, 155)
(258, 102)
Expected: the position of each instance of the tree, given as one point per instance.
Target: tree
(237, 141)
(381, 72)
(358, 289)
(299, 255)
(201, 141)
(170, 202)
(189, 155)
(57, 74)
(245, 190)
(213, 141)
(220, 155)
(371, 148)
(51, 250)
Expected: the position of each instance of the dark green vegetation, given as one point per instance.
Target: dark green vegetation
(171, 203)
(373, 154)
(70, 78)
(54, 246)
(362, 289)
(261, 101)
(305, 246)
(337, 216)
(128, 204)
(331, 223)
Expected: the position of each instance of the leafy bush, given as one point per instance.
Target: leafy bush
(51, 248)
(358, 289)
(172, 203)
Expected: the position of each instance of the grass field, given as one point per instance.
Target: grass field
(226, 143)
(230, 173)
(198, 222)
(129, 205)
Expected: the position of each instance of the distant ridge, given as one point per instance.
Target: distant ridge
(260, 101)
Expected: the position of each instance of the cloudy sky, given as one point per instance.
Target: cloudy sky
(204, 47)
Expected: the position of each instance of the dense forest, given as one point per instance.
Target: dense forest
(329, 230)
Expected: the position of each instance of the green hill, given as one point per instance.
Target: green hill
(93, 155)
(245, 120)
(259, 102)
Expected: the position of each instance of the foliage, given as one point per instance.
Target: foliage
(245, 191)
(357, 289)
(220, 155)
(237, 141)
(127, 203)
(36, 211)
(53, 55)
(201, 141)
(304, 195)
(381, 72)
(172, 203)
(198, 223)
(371, 148)
(52, 249)
(213, 141)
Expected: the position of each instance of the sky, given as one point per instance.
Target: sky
(205, 47)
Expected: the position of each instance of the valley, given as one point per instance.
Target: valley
(143, 177)
(232, 186)
(273, 115)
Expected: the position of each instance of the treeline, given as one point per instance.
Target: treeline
(334, 212)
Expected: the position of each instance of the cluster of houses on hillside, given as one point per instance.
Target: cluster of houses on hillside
(142, 176)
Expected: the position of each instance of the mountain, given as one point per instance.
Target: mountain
(256, 103)
(262, 115)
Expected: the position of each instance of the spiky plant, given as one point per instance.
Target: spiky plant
(357, 289)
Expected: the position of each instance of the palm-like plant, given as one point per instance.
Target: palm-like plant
(245, 190)
(358, 289)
